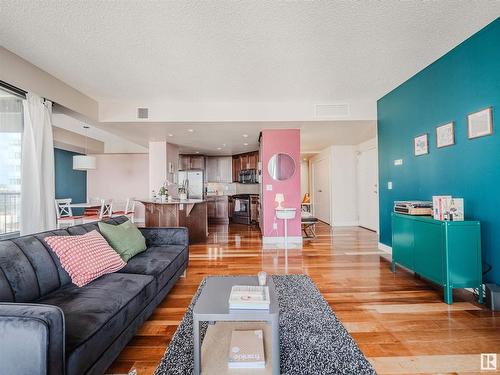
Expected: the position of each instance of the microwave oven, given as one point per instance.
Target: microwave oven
(248, 176)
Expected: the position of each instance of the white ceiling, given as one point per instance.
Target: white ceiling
(229, 138)
(236, 61)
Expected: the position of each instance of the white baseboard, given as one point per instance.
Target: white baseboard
(273, 242)
(385, 248)
(345, 223)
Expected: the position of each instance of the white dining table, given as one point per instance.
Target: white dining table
(84, 205)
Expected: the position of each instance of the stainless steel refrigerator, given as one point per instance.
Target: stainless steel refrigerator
(194, 182)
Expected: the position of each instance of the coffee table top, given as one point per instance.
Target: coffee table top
(213, 302)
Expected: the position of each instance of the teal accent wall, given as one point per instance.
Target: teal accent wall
(465, 80)
(69, 183)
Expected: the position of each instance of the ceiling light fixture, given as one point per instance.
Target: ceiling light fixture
(191, 130)
(218, 148)
(245, 135)
(197, 152)
(170, 135)
(84, 162)
(245, 144)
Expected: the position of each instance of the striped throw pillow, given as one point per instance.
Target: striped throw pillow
(86, 257)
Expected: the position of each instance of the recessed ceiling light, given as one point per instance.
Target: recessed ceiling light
(219, 148)
(191, 130)
(245, 135)
(246, 144)
(170, 135)
(197, 152)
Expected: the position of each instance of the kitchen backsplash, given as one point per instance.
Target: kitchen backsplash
(233, 188)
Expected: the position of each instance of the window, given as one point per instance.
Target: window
(11, 127)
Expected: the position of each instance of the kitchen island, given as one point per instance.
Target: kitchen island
(189, 213)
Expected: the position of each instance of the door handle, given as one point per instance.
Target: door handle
(320, 191)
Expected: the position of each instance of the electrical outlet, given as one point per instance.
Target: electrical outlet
(398, 162)
(269, 187)
(389, 185)
(275, 226)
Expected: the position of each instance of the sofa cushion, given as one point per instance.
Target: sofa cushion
(161, 262)
(125, 238)
(96, 314)
(86, 257)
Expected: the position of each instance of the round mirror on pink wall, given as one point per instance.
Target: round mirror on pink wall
(281, 167)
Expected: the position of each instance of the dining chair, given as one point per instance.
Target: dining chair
(64, 213)
(100, 212)
(128, 211)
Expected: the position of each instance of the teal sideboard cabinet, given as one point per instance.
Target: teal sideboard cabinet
(445, 252)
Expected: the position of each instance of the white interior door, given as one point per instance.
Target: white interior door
(368, 189)
(321, 189)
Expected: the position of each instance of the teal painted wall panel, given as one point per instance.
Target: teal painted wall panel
(465, 80)
(69, 183)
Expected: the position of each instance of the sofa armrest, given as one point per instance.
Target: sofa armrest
(32, 339)
(165, 236)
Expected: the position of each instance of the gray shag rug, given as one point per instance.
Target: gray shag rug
(312, 339)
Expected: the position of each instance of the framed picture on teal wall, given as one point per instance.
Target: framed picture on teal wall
(480, 124)
(421, 144)
(445, 135)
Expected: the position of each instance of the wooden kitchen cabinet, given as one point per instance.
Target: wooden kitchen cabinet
(187, 162)
(253, 159)
(197, 162)
(236, 168)
(217, 209)
(255, 208)
(249, 160)
(219, 169)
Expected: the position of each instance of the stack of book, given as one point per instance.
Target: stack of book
(446, 207)
(249, 297)
(246, 350)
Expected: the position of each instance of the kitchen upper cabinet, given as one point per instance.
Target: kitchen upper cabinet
(253, 159)
(212, 169)
(219, 169)
(197, 162)
(236, 168)
(249, 160)
(184, 162)
(191, 162)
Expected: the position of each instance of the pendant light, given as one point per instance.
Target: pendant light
(84, 162)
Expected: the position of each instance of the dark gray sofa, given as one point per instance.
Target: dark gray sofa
(50, 326)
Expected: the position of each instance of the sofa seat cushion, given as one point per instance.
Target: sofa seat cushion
(161, 262)
(98, 313)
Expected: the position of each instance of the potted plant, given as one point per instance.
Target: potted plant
(163, 192)
(182, 192)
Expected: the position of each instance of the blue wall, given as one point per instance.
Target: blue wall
(465, 80)
(69, 183)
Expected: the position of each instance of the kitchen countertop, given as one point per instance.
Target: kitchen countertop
(174, 201)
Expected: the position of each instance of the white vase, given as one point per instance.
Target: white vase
(163, 198)
(182, 196)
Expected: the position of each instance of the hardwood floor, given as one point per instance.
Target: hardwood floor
(399, 321)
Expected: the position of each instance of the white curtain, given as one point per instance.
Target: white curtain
(37, 167)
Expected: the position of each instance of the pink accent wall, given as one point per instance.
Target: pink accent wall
(285, 141)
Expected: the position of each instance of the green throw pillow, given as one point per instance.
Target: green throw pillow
(125, 238)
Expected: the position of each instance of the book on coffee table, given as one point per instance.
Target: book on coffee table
(249, 297)
(246, 349)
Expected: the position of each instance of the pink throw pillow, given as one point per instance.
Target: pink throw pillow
(86, 257)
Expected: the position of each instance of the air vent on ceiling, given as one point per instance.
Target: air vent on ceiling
(332, 110)
(142, 112)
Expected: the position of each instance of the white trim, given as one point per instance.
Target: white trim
(383, 247)
(346, 224)
(272, 242)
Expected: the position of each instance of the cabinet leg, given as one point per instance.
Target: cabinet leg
(448, 295)
(393, 266)
(480, 294)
